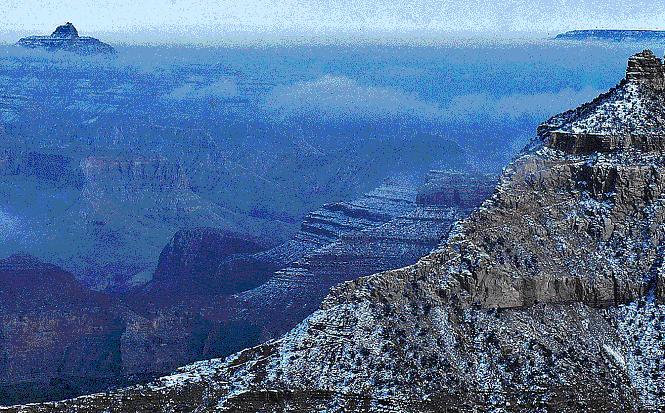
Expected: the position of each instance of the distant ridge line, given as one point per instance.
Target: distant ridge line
(613, 35)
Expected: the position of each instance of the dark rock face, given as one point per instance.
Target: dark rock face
(66, 31)
(646, 68)
(57, 339)
(548, 297)
(66, 38)
(193, 262)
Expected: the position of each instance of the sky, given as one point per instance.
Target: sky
(199, 20)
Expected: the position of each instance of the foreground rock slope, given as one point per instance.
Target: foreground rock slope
(548, 298)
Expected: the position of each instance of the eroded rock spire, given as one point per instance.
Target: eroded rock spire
(646, 68)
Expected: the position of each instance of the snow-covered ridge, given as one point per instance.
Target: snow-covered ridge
(630, 116)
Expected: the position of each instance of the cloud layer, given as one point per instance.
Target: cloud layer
(537, 105)
(340, 98)
(221, 89)
(221, 18)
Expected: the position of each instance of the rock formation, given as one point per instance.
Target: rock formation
(193, 262)
(388, 228)
(202, 278)
(53, 331)
(548, 298)
(66, 38)
(646, 68)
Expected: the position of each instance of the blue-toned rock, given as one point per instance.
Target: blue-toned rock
(66, 38)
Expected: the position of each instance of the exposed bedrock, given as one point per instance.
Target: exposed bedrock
(53, 331)
(385, 229)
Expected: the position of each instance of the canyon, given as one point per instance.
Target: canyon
(214, 292)
(549, 296)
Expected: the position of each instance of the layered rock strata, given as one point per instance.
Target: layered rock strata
(382, 231)
(185, 312)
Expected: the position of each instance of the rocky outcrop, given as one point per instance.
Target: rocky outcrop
(125, 174)
(549, 297)
(58, 339)
(207, 281)
(647, 69)
(187, 311)
(66, 38)
(332, 221)
(629, 117)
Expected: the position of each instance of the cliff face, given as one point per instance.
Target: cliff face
(548, 297)
(193, 262)
(539, 300)
(114, 213)
(209, 285)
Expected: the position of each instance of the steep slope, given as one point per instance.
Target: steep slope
(547, 298)
(194, 263)
(388, 228)
(186, 311)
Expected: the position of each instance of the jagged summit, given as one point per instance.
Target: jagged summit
(645, 68)
(629, 116)
(66, 37)
(66, 31)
